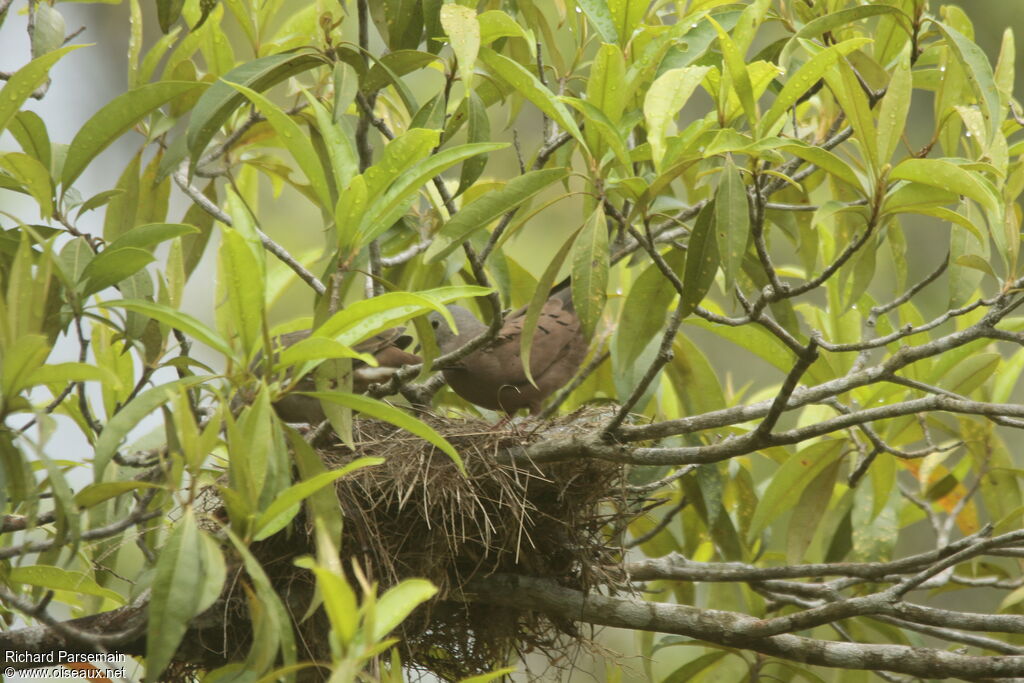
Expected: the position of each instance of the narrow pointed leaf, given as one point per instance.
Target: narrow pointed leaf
(601, 17)
(590, 271)
(115, 118)
(662, 103)
(805, 77)
(219, 101)
(463, 29)
(479, 213)
(892, 115)
(732, 221)
(382, 411)
(532, 89)
(20, 86)
(701, 260)
(295, 140)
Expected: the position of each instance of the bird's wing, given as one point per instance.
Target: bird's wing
(556, 329)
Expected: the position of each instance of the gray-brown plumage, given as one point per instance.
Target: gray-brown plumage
(492, 377)
(386, 347)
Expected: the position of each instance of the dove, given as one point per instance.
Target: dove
(386, 347)
(492, 377)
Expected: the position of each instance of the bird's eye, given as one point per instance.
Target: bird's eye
(435, 323)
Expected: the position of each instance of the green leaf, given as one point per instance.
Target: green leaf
(167, 12)
(834, 19)
(479, 213)
(241, 284)
(627, 15)
(478, 129)
(599, 128)
(491, 675)
(117, 427)
(701, 260)
(463, 29)
(809, 511)
(340, 149)
(606, 86)
(736, 73)
(732, 221)
(183, 577)
(646, 308)
(590, 271)
(398, 603)
(112, 266)
(317, 348)
(694, 379)
(24, 81)
(791, 480)
(662, 103)
(294, 139)
(982, 79)
(978, 263)
(286, 505)
(22, 359)
(30, 132)
(114, 119)
(278, 635)
(847, 90)
(804, 78)
(176, 319)
(382, 411)
(1006, 380)
(689, 670)
(387, 209)
(404, 22)
(601, 17)
(153, 57)
(367, 317)
(94, 494)
(388, 69)
(121, 213)
(55, 578)
(495, 24)
(883, 475)
(67, 373)
(149, 236)
(219, 101)
(34, 176)
(892, 116)
(532, 89)
(339, 601)
(825, 160)
(974, 371)
(947, 176)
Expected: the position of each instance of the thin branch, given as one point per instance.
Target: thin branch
(139, 516)
(181, 179)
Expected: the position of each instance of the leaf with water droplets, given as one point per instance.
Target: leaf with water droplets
(804, 78)
(25, 80)
(701, 260)
(732, 221)
(947, 176)
(892, 116)
(295, 140)
(116, 118)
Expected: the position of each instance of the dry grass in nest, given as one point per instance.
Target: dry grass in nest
(416, 515)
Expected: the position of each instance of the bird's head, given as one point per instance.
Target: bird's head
(467, 326)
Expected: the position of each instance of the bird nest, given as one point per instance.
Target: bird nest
(416, 515)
